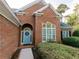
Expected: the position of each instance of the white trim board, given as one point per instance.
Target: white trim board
(33, 3)
(46, 6)
(10, 20)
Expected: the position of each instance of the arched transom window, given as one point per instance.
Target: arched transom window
(48, 32)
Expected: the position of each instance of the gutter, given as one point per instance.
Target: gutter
(7, 6)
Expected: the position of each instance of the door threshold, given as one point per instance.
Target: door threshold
(25, 46)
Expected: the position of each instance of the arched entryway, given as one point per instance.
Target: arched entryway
(27, 34)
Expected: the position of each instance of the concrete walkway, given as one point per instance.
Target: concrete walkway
(26, 54)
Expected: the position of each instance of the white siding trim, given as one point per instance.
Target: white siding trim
(9, 9)
(10, 20)
(46, 6)
(32, 3)
(41, 9)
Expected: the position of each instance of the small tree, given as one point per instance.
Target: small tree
(72, 19)
(61, 9)
(77, 9)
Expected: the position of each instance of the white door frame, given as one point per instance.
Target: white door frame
(26, 29)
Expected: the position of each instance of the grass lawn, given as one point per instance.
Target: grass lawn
(57, 51)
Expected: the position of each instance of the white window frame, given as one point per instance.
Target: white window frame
(46, 28)
(65, 33)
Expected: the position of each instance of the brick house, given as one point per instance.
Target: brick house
(34, 23)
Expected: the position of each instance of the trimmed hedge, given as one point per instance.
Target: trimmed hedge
(72, 41)
(76, 33)
(57, 51)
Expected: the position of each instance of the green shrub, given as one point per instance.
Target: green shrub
(57, 51)
(76, 30)
(50, 41)
(76, 33)
(73, 41)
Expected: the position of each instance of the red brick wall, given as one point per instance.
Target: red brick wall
(9, 36)
(36, 22)
(49, 16)
(28, 17)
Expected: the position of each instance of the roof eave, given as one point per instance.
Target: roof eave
(32, 3)
(66, 27)
(10, 20)
(9, 9)
(46, 6)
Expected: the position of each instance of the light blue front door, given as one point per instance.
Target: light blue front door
(27, 38)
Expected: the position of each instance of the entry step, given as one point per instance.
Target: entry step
(26, 53)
